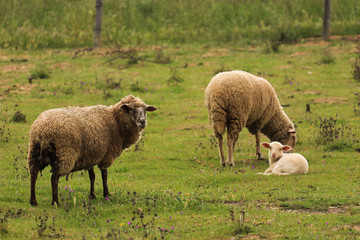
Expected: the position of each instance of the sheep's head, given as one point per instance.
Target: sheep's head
(276, 150)
(290, 138)
(136, 109)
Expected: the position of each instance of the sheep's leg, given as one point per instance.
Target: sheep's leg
(230, 143)
(92, 181)
(221, 152)
(105, 186)
(34, 173)
(258, 151)
(54, 186)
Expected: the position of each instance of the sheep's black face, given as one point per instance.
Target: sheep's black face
(139, 117)
(138, 114)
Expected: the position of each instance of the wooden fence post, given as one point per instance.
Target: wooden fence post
(326, 20)
(98, 23)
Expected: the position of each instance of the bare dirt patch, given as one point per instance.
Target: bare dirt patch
(332, 100)
(15, 88)
(63, 65)
(13, 68)
(187, 128)
(312, 92)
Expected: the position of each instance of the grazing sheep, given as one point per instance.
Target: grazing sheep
(238, 99)
(284, 163)
(77, 138)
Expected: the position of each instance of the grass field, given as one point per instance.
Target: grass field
(171, 185)
(39, 24)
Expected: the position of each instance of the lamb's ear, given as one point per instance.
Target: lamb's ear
(286, 148)
(265, 144)
(125, 107)
(150, 108)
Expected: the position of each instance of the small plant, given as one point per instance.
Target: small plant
(356, 67)
(45, 227)
(175, 78)
(18, 117)
(334, 135)
(19, 162)
(140, 144)
(327, 57)
(161, 58)
(6, 216)
(112, 84)
(357, 106)
(4, 129)
(113, 234)
(239, 226)
(144, 213)
(40, 71)
(4, 133)
(66, 199)
(222, 68)
(135, 87)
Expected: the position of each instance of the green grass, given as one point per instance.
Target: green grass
(38, 24)
(175, 173)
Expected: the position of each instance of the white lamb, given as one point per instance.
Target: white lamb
(284, 163)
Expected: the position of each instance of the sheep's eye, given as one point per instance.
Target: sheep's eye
(270, 148)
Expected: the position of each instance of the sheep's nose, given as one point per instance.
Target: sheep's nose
(274, 155)
(142, 122)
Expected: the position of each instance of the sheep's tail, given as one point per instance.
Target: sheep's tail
(39, 156)
(38, 159)
(217, 114)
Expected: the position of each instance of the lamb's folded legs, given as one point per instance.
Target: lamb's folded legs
(92, 182)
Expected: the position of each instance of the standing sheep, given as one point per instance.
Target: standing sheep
(284, 163)
(238, 99)
(77, 138)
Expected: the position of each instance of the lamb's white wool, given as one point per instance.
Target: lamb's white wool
(284, 163)
(238, 99)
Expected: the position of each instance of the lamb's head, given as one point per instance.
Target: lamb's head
(289, 139)
(276, 150)
(136, 109)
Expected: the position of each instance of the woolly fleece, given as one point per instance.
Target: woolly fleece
(238, 99)
(82, 137)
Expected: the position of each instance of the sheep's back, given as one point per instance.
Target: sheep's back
(244, 96)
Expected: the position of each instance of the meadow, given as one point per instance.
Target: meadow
(171, 184)
(38, 24)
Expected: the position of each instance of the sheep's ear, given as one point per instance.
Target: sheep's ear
(150, 108)
(265, 144)
(286, 148)
(291, 131)
(125, 107)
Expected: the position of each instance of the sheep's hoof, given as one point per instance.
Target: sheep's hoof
(33, 203)
(232, 164)
(107, 195)
(92, 196)
(223, 164)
